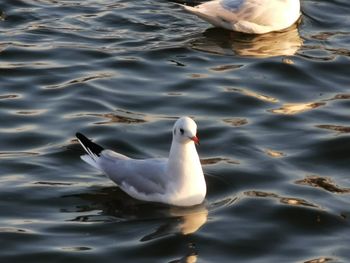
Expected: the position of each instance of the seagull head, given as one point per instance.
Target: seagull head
(185, 131)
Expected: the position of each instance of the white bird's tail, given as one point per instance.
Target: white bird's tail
(93, 151)
(189, 8)
(206, 11)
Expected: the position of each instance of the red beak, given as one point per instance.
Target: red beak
(195, 139)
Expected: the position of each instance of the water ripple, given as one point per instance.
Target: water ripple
(270, 110)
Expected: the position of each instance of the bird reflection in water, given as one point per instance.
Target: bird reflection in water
(115, 206)
(188, 221)
(223, 42)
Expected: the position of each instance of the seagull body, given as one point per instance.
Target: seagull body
(249, 16)
(178, 180)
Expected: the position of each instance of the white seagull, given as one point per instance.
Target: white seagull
(178, 180)
(249, 16)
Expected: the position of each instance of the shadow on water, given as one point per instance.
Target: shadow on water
(116, 206)
(179, 223)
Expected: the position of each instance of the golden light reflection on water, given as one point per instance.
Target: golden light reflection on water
(180, 220)
(296, 202)
(253, 94)
(325, 183)
(284, 200)
(191, 219)
(223, 68)
(191, 259)
(274, 154)
(119, 116)
(198, 76)
(288, 61)
(236, 122)
(319, 260)
(296, 108)
(115, 118)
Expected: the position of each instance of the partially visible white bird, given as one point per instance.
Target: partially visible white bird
(178, 180)
(249, 16)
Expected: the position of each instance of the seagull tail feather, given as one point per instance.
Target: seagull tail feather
(92, 149)
(190, 9)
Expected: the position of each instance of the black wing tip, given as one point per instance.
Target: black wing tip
(88, 144)
(79, 135)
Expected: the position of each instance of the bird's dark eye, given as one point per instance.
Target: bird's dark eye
(182, 131)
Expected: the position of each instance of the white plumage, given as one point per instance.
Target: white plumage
(249, 16)
(178, 180)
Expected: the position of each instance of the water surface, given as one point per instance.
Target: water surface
(273, 118)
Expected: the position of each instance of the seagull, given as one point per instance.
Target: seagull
(249, 16)
(177, 180)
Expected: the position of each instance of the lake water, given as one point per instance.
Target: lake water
(273, 119)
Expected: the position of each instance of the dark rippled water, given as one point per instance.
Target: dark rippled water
(273, 117)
